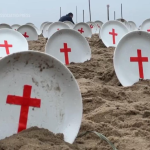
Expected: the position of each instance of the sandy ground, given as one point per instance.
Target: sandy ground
(121, 114)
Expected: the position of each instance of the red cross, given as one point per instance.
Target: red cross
(140, 60)
(25, 35)
(148, 30)
(25, 103)
(65, 51)
(113, 34)
(6, 45)
(91, 26)
(98, 26)
(81, 30)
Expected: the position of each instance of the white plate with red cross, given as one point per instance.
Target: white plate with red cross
(146, 25)
(99, 25)
(15, 26)
(83, 29)
(28, 32)
(132, 58)
(38, 90)
(112, 32)
(68, 46)
(54, 27)
(11, 42)
(93, 27)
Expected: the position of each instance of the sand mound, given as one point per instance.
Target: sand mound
(121, 114)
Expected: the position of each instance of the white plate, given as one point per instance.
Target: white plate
(15, 26)
(84, 29)
(37, 30)
(30, 24)
(28, 32)
(112, 32)
(42, 25)
(124, 22)
(54, 27)
(146, 25)
(11, 42)
(76, 46)
(55, 99)
(70, 24)
(3, 25)
(93, 27)
(133, 26)
(126, 65)
(99, 25)
(45, 29)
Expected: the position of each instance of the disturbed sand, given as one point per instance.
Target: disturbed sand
(121, 114)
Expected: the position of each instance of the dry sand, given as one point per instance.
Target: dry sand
(121, 114)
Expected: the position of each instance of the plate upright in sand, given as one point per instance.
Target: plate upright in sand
(30, 24)
(124, 22)
(56, 26)
(133, 26)
(11, 42)
(68, 46)
(132, 58)
(37, 29)
(84, 29)
(93, 27)
(15, 26)
(99, 25)
(29, 32)
(42, 25)
(3, 25)
(112, 32)
(45, 29)
(38, 90)
(146, 26)
(70, 24)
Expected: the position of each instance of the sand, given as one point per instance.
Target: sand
(121, 114)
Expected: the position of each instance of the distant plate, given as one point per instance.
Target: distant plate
(124, 22)
(52, 99)
(30, 24)
(99, 26)
(45, 29)
(132, 58)
(146, 25)
(42, 25)
(3, 25)
(100, 23)
(93, 27)
(133, 26)
(37, 30)
(84, 29)
(112, 32)
(70, 24)
(54, 27)
(28, 32)
(68, 46)
(15, 26)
